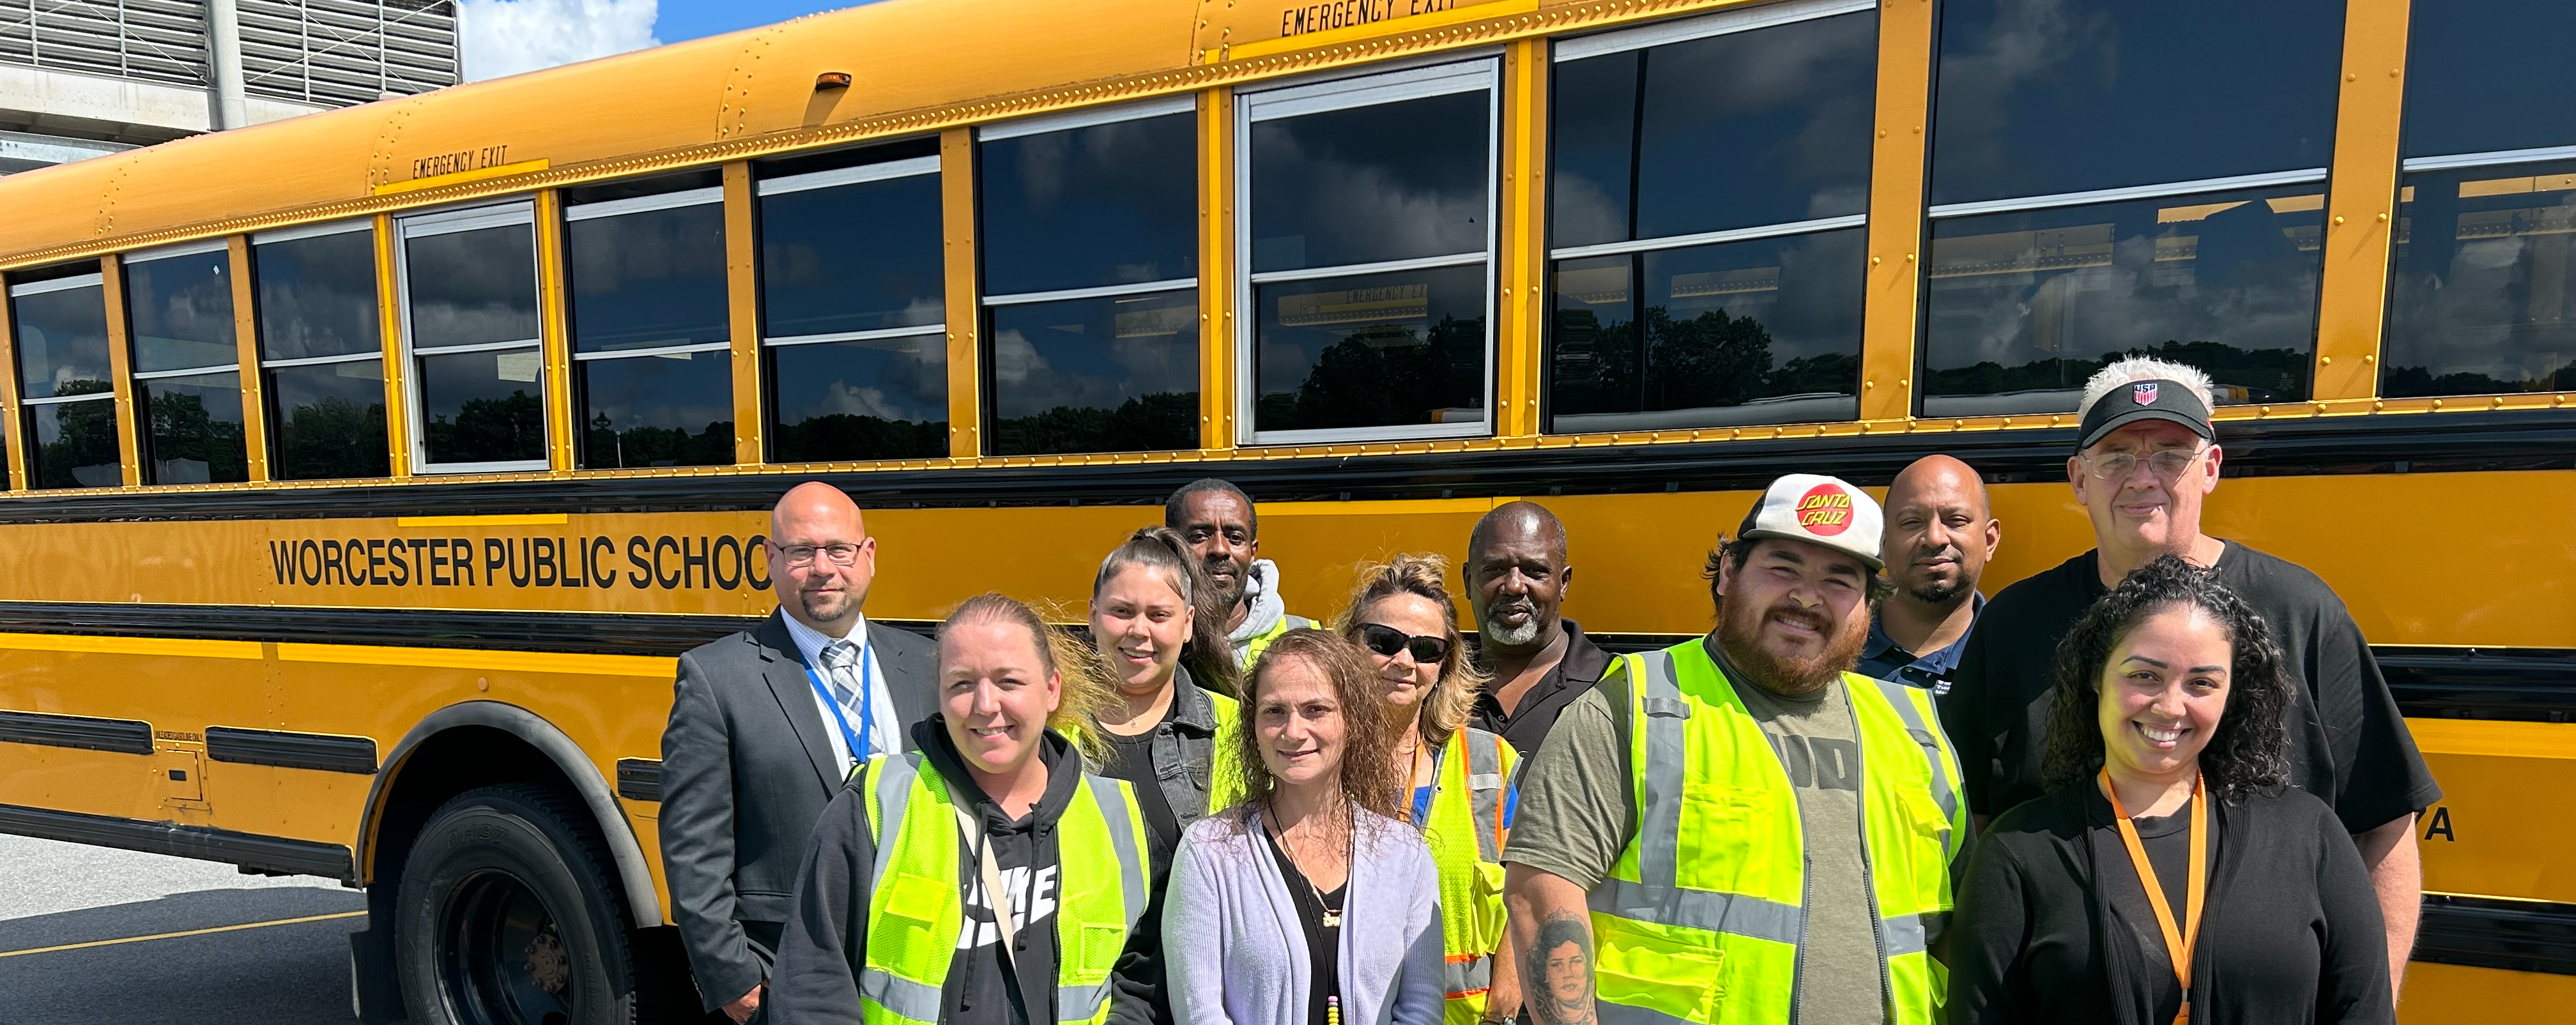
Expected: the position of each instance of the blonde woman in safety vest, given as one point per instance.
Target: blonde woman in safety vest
(1737, 829)
(986, 878)
(1458, 789)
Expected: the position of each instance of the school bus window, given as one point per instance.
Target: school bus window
(854, 307)
(2023, 306)
(2079, 217)
(469, 281)
(186, 365)
(1707, 223)
(2480, 283)
(652, 377)
(2028, 101)
(65, 388)
(1090, 251)
(1369, 225)
(320, 352)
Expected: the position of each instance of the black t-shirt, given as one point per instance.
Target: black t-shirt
(1323, 942)
(2053, 926)
(2348, 744)
(1132, 759)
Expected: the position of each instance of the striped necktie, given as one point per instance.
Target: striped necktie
(849, 687)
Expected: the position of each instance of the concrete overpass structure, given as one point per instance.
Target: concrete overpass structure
(82, 78)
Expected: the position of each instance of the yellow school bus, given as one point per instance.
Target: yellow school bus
(368, 470)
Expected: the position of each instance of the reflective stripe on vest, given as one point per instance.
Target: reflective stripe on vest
(1467, 791)
(916, 913)
(1700, 920)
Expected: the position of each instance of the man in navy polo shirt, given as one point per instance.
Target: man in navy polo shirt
(1940, 532)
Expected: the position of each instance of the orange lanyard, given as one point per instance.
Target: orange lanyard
(2178, 942)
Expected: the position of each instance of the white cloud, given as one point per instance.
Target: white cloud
(506, 37)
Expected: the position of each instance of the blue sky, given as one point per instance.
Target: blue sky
(691, 19)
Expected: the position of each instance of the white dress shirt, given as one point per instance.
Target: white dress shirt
(885, 729)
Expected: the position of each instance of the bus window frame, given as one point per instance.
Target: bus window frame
(143, 426)
(1646, 37)
(20, 431)
(713, 195)
(1299, 96)
(519, 211)
(269, 407)
(1043, 124)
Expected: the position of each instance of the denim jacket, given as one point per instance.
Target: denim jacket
(1185, 749)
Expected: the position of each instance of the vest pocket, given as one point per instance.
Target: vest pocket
(1638, 964)
(1488, 908)
(1097, 950)
(919, 897)
(1723, 828)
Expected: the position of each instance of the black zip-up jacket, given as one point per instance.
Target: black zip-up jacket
(826, 938)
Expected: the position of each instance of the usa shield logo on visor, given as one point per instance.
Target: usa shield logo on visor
(2144, 392)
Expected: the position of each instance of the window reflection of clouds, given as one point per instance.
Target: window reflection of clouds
(1389, 181)
(2024, 306)
(472, 287)
(1374, 350)
(1096, 375)
(2042, 97)
(328, 421)
(858, 257)
(877, 399)
(674, 410)
(180, 312)
(1103, 204)
(2483, 293)
(317, 296)
(62, 342)
(648, 279)
(192, 429)
(1761, 127)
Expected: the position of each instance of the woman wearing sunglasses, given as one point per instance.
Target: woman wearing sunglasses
(1458, 778)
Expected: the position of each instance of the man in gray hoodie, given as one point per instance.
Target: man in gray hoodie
(1217, 520)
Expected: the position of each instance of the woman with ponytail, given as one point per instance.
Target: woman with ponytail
(1168, 727)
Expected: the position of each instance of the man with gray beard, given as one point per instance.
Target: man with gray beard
(1517, 575)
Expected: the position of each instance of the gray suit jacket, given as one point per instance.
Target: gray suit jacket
(746, 771)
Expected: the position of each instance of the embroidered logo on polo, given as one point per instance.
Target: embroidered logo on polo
(1825, 510)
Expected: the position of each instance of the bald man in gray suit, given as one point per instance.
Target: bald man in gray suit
(765, 726)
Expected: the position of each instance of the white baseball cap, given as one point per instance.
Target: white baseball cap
(1819, 510)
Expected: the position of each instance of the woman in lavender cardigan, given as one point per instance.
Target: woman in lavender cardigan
(1316, 859)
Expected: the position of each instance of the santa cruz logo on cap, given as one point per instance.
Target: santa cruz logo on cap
(2144, 392)
(1825, 510)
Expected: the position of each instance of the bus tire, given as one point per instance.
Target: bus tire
(508, 915)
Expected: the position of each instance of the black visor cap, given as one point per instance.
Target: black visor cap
(2144, 400)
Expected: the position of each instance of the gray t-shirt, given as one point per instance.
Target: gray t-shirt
(1578, 812)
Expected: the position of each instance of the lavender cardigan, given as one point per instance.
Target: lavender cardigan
(1235, 951)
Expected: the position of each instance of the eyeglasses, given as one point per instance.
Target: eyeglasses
(2167, 465)
(840, 554)
(1387, 641)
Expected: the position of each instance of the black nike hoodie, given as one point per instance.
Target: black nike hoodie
(825, 942)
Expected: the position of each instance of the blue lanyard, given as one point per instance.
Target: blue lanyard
(867, 704)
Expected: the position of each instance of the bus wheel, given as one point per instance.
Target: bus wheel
(507, 916)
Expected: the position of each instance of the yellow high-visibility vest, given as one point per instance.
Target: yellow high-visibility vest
(916, 914)
(1701, 918)
(1464, 825)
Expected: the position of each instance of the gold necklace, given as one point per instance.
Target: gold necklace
(1332, 918)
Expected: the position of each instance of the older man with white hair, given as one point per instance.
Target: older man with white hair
(2146, 458)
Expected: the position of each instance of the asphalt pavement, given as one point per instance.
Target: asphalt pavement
(92, 935)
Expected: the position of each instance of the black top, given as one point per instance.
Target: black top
(2053, 925)
(2348, 743)
(1132, 759)
(826, 938)
(1525, 726)
(1323, 942)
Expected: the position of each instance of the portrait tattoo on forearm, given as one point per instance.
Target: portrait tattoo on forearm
(1556, 971)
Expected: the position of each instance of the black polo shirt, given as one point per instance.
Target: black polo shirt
(1524, 727)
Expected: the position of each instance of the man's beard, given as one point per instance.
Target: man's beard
(1938, 593)
(1528, 632)
(1230, 595)
(1739, 632)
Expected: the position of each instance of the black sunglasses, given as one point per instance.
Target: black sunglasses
(1387, 640)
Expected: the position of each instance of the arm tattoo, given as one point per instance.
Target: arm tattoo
(1556, 971)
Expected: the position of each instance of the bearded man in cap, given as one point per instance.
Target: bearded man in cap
(1738, 829)
(2146, 460)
